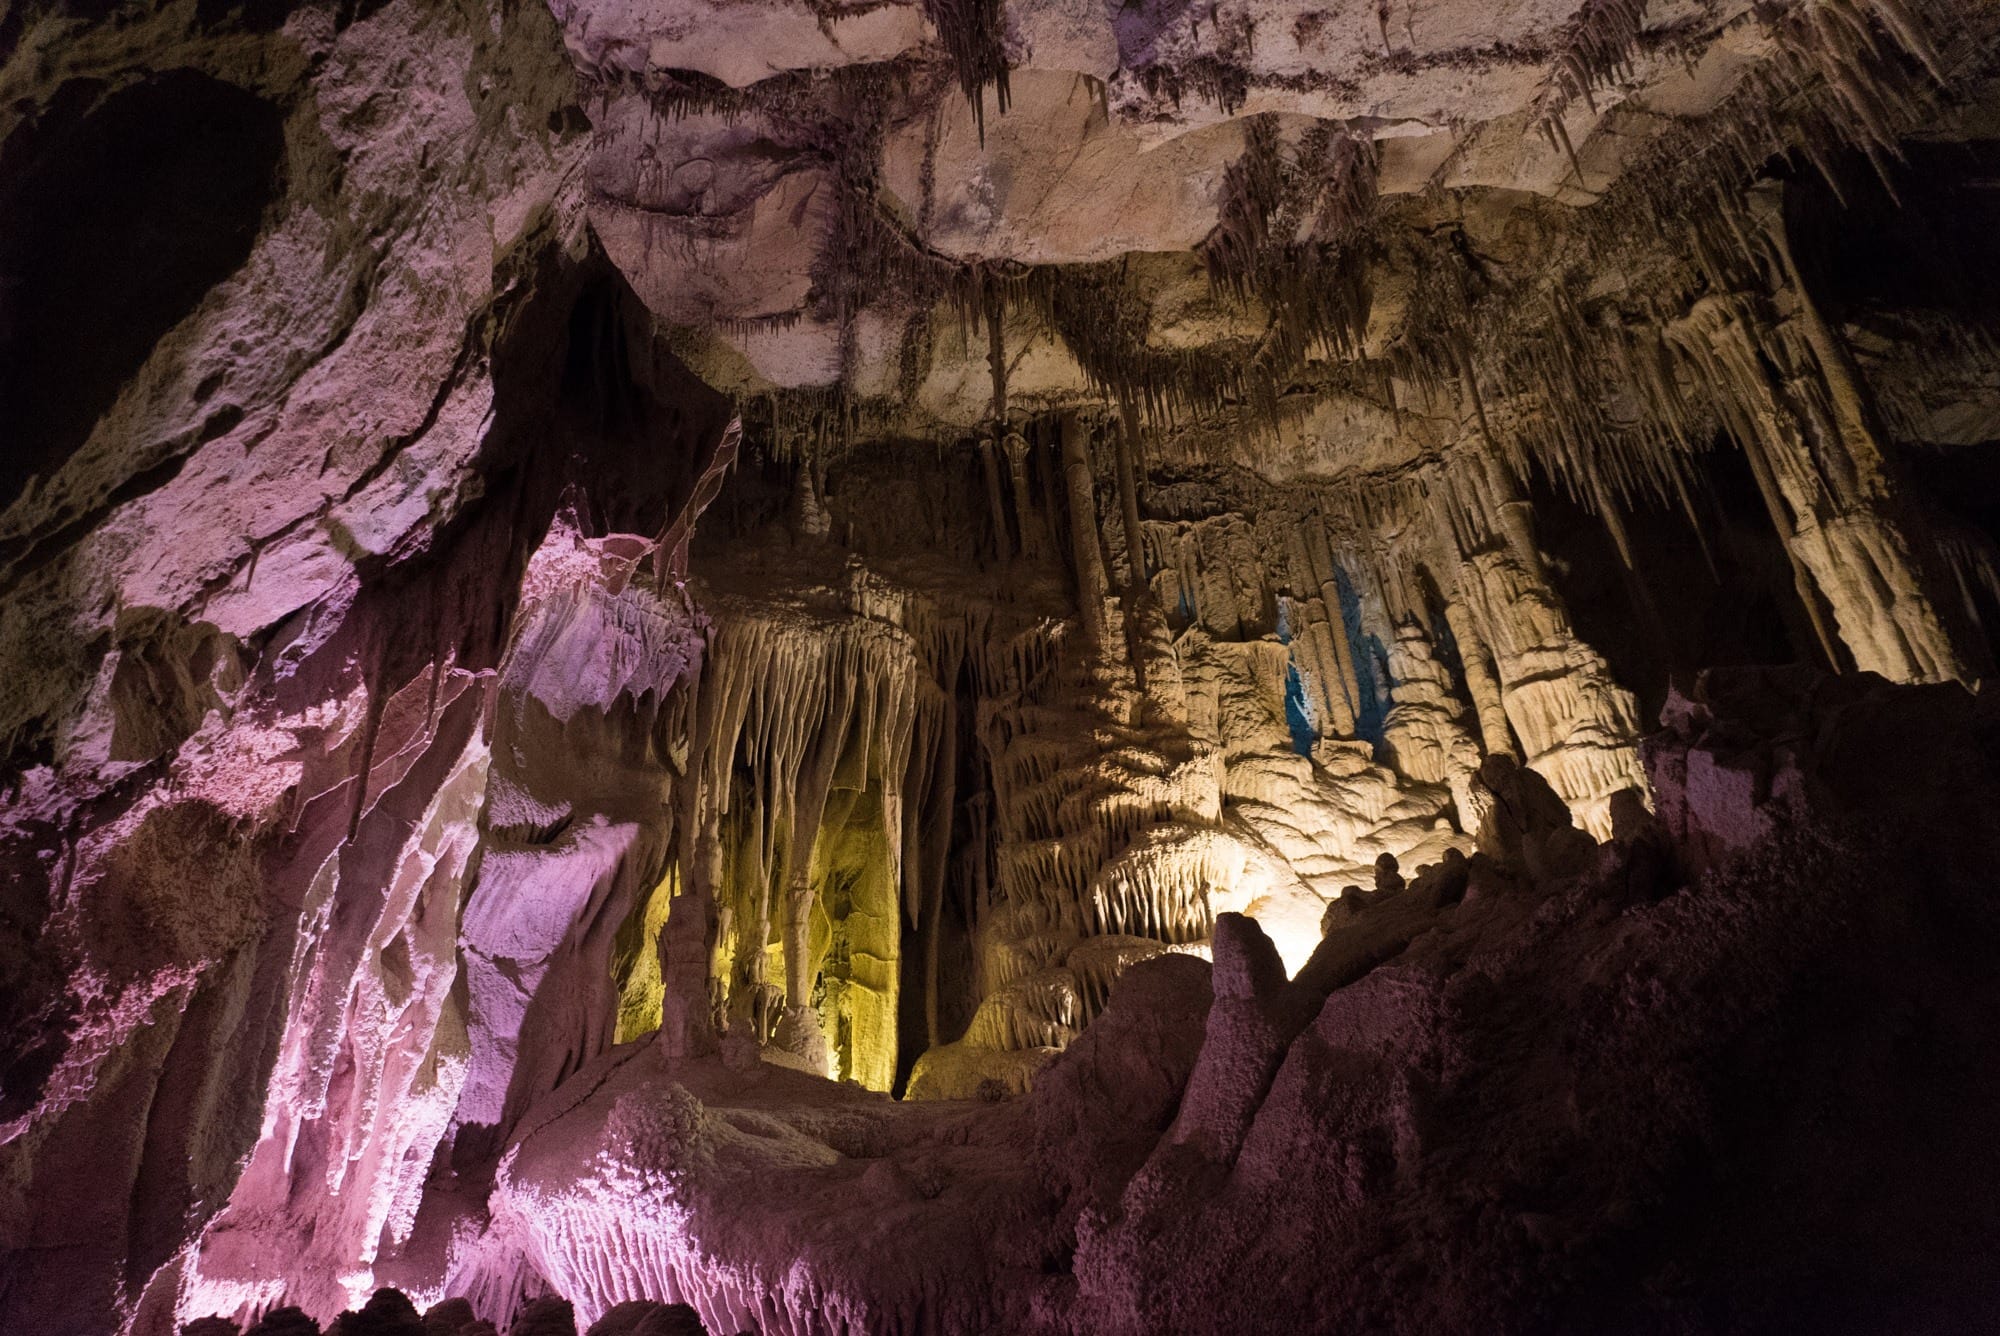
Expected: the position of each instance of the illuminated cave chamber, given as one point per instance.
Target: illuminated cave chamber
(940, 810)
(999, 667)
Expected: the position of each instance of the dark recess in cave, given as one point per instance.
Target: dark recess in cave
(118, 213)
(1673, 615)
(256, 16)
(1934, 244)
(636, 422)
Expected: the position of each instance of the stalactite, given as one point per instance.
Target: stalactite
(1597, 50)
(974, 36)
(1092, 308)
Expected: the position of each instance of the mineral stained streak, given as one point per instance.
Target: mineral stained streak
(1016, 666)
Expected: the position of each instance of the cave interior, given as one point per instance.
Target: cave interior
(1036, 667)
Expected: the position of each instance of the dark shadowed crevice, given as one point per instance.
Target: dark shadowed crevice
(1932, 245)
(635, 421)
(256, 16)
(118, 213)
(1673, 613)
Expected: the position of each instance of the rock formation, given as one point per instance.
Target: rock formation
(997, 665)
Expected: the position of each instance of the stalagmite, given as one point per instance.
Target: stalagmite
(686, 943)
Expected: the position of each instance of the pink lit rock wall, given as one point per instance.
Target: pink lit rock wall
(250, 781)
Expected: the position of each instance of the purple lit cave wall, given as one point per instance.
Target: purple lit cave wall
(1036, 667)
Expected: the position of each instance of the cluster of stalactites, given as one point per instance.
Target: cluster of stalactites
(804, 722)
(1600, 397)
(816, 804)
(1597, 404)
(1846, 74)
(1614, 400)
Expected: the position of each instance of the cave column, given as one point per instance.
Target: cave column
(1513, 517)
(1312, 636)
(1312, 657)
(1128, 499)
(800, 1030)
(1577, 727)
(993, 307)
(989, 464)
(936, 849)
(1475, 654)
(1034, 541)
(1127, 446)
(686, 945)
(701, 839)
(1344, 695)
(1852, 410)
(1092, 585)
(1480, 682)
(1834, 506)
(1866, 478)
